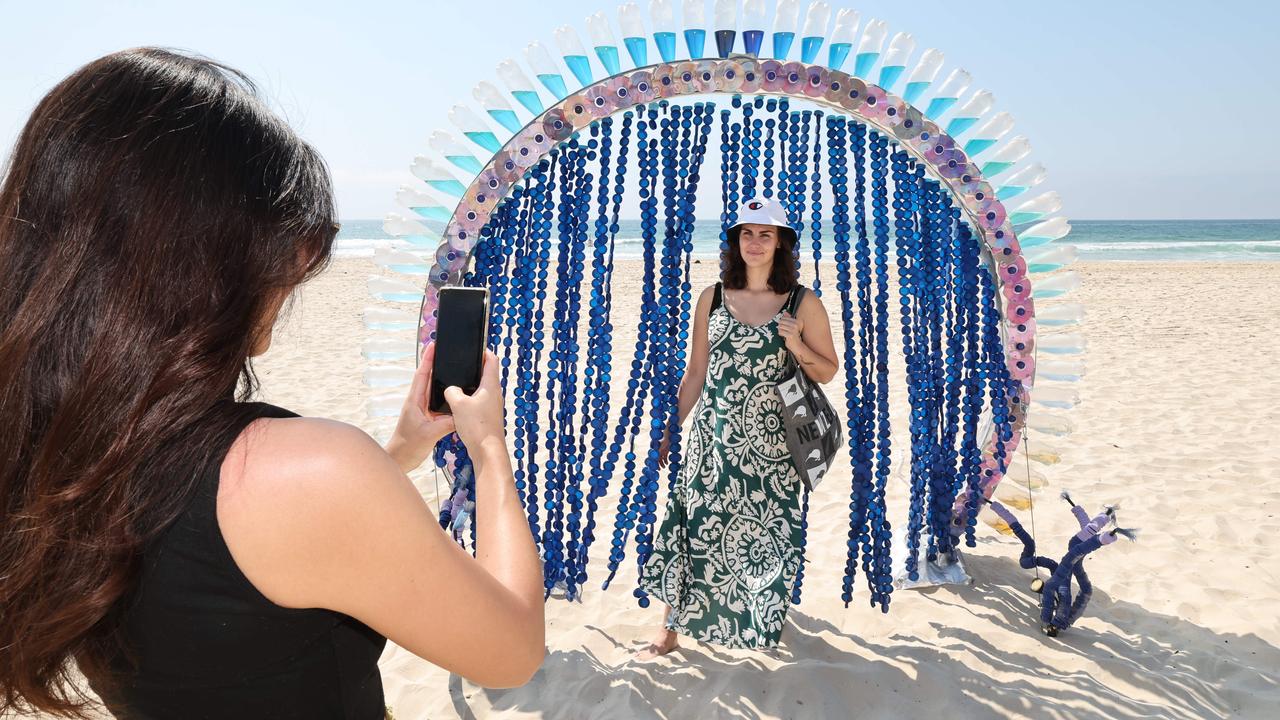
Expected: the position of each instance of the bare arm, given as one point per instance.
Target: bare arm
(695, 374)
(808, 337)
(316, 514)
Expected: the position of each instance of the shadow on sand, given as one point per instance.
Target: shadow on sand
(1151, 665)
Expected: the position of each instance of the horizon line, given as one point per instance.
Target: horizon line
(1070, 219)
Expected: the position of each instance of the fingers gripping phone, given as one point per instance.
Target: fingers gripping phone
(462, 324)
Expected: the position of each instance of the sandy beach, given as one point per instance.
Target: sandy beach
(1176, 424)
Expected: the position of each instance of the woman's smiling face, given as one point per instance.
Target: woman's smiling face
(757, 244)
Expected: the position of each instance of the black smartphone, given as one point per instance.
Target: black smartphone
(462, 324)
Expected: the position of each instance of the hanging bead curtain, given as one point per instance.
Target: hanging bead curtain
(548, 256)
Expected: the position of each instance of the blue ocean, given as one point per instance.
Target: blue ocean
(1124, 240)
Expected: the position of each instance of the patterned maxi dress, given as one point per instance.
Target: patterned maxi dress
(726, 554)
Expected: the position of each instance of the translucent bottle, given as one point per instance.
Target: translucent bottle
(989, 133)
(988, 517)
(1055, 315)
(1022, 181)
(695, 23)
(1050, 424)
(664, 28)
(1007, 156)
(380, 318)
(1061, 343)
(1036, 208)
(473, 128)
(1059, 369)
(539, 60)
(1044, 452)
(1010, 495)
(1055, 396)
(388, 348)
(1056, 285)
(521, 87)
(842, 35)
(574, 54)
(1020, 475)
(753, 19)
(453, 151)
(895, 59)
(1048, 258)
(726, 24)
(421, 203)
(814, 32)
(409, 230)
(393, 290)
(923, 75)
(1045, 232)
(602, 40)
(495, 103)
(869, 48)
(948, 93)
(400, 261)
(968, 113)
(436, 176)
(387, 376)
(386, 404)
(633, 35)
(785, 21)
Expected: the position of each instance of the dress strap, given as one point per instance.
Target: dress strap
(717, 298)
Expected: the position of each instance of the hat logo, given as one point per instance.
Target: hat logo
(755, 205)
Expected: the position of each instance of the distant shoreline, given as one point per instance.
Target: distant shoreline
(1202, 240)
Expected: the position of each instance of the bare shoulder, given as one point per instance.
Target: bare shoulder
(292, 494)
(704, 300)
(811, 304)
(288, 456)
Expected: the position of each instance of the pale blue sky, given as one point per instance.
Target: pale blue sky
(1138, 109)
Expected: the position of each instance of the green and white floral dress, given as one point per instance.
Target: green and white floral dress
(726, 554)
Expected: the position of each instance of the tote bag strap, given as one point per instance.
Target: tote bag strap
(792, 305)
(796, 296)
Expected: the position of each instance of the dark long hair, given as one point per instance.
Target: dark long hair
(152, 214)
(783, 276)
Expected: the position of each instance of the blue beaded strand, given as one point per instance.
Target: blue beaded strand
(637, 385)
(912, 275)
(880, 527)
(601, 345)
(769, 151)
(815, 223)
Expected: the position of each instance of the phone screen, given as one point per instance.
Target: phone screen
(462, 324)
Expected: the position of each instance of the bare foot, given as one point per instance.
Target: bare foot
(663, 644)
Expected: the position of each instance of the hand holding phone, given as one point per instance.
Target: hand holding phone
(462, 324)
(418, 429)
(478, 416)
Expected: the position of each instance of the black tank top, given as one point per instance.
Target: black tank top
(206, 644)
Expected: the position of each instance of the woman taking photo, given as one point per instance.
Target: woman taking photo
(727, 551)
(191, 553)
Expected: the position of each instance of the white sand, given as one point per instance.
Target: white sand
(1177, 424)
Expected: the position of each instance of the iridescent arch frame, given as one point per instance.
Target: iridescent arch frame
(870, 104)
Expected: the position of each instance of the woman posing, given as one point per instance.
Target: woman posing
(727, 551)
(194, 554)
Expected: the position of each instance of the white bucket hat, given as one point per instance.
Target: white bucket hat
(762, 211)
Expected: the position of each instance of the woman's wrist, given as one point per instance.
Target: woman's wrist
(492, 450)
(405, 455)
(489, 448)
